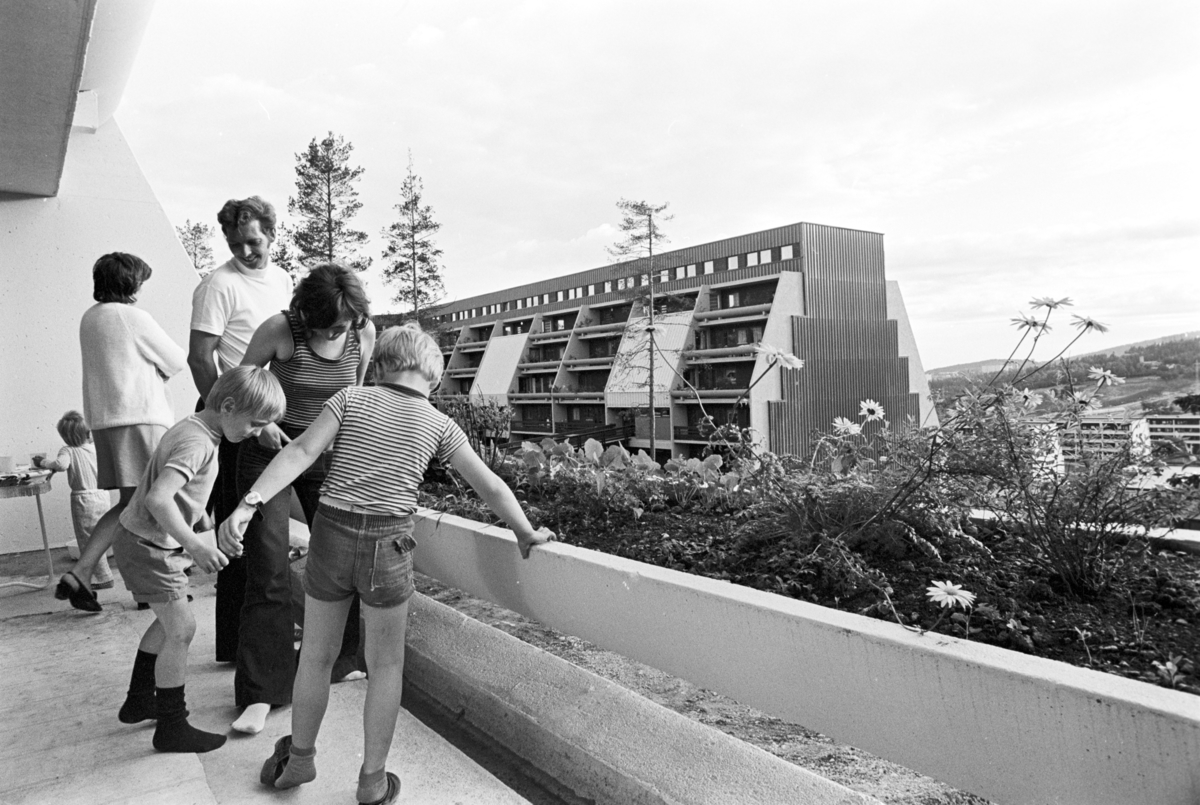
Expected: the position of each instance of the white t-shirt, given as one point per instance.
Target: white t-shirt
(232, 302)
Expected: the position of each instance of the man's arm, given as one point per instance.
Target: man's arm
(201, 360)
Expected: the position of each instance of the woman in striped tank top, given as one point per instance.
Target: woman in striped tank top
(317, 347)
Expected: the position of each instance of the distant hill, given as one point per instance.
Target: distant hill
(1155, 372)
(992, 365)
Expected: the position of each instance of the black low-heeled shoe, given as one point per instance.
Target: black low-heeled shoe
(80, 596)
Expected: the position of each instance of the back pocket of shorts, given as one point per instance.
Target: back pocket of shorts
(393, 563)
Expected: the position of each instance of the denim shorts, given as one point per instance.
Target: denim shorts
(370, 554)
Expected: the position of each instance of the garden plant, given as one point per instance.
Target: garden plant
(978, 527)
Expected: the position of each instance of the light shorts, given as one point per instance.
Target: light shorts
(370, 554)
(123, 453)
(152, 573)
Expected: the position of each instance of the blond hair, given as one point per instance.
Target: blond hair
(73, 429)
(408, 347)
(254, 391)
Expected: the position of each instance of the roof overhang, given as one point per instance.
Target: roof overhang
(62, 63)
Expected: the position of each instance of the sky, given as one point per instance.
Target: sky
(1006, 151)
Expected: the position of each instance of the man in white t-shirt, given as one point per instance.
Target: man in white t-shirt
(227, 307)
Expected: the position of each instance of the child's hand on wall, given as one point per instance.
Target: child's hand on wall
(539, 537)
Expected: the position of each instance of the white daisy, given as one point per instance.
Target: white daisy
(846, 427)
(950, 595)
(871, 410)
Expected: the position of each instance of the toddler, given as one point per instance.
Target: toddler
(88, 503)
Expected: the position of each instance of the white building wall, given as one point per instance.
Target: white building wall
(917, 381)
(47, 249)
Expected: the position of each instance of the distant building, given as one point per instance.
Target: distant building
(570, 354)
(1103, 436)
(1185, 427)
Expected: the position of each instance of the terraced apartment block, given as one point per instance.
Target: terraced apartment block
(570, 354)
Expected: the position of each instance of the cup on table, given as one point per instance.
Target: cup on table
(8, 463)
(36, 459)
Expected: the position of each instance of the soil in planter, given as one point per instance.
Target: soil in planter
(1147, 628)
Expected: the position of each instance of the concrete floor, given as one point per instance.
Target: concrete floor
(64, 674)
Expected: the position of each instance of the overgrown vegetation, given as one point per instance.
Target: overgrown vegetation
(1058, 556)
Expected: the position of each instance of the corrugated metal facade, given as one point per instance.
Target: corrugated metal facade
(850, 348)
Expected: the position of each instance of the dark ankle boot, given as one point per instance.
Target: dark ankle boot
(173, 733)
(139, 701)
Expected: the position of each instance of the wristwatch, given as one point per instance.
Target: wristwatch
(254, 501)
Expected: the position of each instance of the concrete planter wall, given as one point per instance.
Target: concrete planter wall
(1008, 727)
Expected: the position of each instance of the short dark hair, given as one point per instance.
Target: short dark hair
(329, 294)
(238, 212)
(116, 277)
(73, 429)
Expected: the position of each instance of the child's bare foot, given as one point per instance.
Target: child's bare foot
(253, 719)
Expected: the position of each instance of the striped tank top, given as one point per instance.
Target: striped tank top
(309, 380)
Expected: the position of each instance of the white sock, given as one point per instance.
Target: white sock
(253, 719)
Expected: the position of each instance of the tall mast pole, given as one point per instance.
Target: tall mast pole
(650, 235)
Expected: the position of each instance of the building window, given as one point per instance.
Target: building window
(579, 292)
(570, 293)
(560, 324)
(751, 260)
(732, 264)
(608, 286)
(591, 290)
(664, 275)
(560, 296)
(764, 256)
(645, 279)
(545, 299)
(691, 270)
(679, 272)
(708, 266)
(785, 253)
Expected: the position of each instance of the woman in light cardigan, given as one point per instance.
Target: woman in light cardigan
(127, 359)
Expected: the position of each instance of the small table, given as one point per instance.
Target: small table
(37, 483)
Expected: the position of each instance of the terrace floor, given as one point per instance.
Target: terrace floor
(64, 676)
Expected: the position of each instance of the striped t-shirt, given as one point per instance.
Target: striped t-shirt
(386, 438)
(308, 380)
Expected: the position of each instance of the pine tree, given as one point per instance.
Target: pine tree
(196, 239)
(326, 202)
(640, 221)
(412, 258)
(285, 258)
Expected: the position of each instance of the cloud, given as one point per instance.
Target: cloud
(425, 37)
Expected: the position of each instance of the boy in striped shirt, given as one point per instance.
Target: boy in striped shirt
(383, 438)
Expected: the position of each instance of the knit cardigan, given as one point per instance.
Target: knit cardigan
(127, 359)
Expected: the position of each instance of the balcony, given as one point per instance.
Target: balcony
(531, 426)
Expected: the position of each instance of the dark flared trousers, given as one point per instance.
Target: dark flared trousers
(266, 659)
